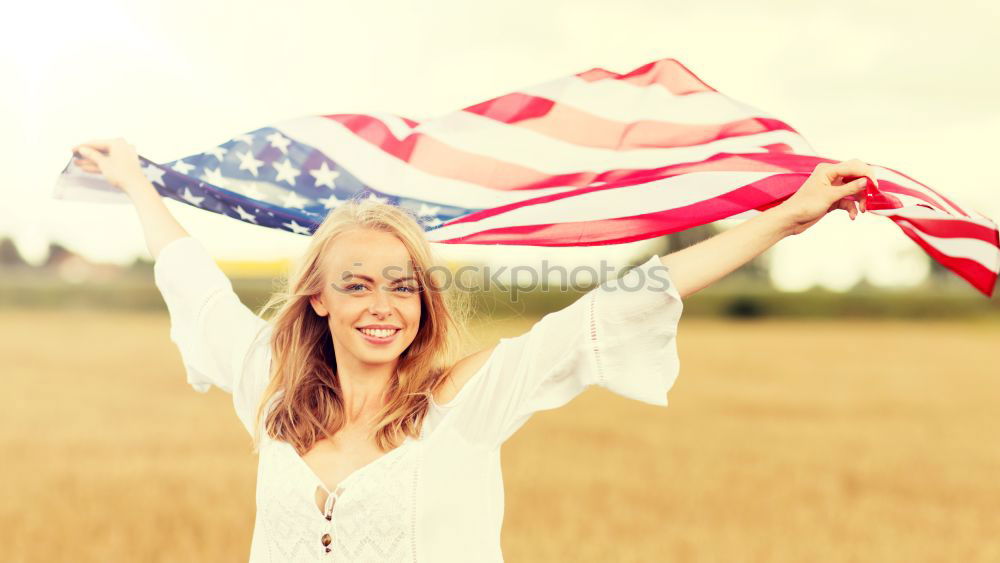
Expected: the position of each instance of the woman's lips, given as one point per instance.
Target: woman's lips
(377, 340)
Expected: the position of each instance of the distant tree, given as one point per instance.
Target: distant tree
(10, 257)
(57, 253)
(692, 236)
(141, 265)
(939, 276)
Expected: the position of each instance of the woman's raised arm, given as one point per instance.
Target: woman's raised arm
(700, 265)
(118, 162)
(221, 341)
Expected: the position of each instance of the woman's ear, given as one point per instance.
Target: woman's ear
(317, 305)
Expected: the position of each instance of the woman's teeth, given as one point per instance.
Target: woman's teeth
(379, 333)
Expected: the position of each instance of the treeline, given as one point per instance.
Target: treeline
(65, 280)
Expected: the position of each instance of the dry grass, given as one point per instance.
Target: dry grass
(784, 441)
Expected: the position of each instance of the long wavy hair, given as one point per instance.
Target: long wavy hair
(303, 401)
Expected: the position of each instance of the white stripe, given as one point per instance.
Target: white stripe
(667, 193)
(914, 202)
(386, 173)
(396, 125)
(915, 212)
(973, 249)
(533, 150)
(978, 215)
(884, 173)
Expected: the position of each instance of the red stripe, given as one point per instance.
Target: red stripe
(928, 188)
(757, 162)
(804, 164)
(973, 272)
(573, 125)
(778, 147)
(761, 194)
(951, 228)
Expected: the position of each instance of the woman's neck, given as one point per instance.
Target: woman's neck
(363, 389)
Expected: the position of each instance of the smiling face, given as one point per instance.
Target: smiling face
(368, 284)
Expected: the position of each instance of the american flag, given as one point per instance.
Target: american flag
(593, 158)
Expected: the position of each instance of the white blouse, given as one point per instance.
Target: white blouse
(440, 497)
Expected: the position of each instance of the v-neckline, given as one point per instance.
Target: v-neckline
(353, 474)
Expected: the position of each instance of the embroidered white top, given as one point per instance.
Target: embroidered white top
(440, 497)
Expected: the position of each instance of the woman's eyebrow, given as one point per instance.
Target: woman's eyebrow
(369, 278)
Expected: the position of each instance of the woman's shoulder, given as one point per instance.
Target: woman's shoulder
(460, 373)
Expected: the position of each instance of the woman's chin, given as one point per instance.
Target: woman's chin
(379, 356)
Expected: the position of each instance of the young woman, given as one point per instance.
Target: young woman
(375, 442)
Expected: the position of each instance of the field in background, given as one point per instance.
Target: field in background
(784, 441)
(731, 297)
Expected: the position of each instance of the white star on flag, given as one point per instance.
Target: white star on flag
(330, 202)
(154, 174)
(245, 215)
(214, 177)
(376, 198)
(279, 141)
(286, 172)
(245, 138)
(297, 228)
(182, 167)
(190, 197)
(426, 210)
(248, 162)
(218, 152)
(324, 176)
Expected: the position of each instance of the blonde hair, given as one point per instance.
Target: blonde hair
(304, 386)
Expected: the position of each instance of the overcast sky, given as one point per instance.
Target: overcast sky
(891, 83)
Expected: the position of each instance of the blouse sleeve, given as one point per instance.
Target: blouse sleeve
(621, 335)
(221, 341)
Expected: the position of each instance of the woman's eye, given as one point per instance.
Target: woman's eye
(357, 287)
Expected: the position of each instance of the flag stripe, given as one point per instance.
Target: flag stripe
(476, 150)
(948, 228)
(671, 74)
(981, 276)
(714, 200)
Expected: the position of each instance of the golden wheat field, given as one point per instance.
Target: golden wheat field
(804, 441)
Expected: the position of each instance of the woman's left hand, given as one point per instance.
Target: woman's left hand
(831, 186)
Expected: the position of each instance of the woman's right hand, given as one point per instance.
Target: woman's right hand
(831, 186)
(115, 159)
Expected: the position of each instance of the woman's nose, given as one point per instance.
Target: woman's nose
(380, 303)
